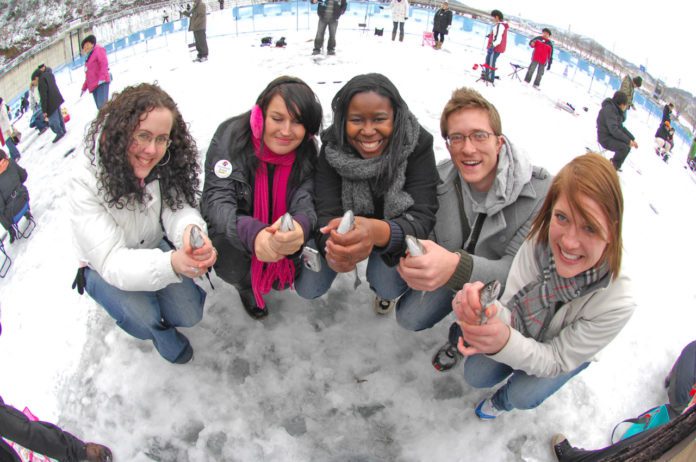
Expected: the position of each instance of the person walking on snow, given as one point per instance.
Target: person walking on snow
(197, 26)
(497, 40)
(51, 100)
(97, 75)
(328, 11)
(441, 24)
(628, 86)
(541, 56)
(400, 11)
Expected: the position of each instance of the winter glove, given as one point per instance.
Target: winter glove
(13, 234)
(550, 61)
(79, 283)
(98, 453)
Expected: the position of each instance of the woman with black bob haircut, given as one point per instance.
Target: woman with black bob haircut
(259, 166)
(377, 161)
(133, 199)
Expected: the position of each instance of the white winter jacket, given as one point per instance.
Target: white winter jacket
(5, 125)
(122, 244)
(399, 10)
(578, 330)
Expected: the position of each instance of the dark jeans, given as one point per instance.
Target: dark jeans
(439, 34)
(201, 43)
(37, 120)
(491, 58)
(400, 26)
(56, 122)
(321, 28)
(620, 150)
(530, 72)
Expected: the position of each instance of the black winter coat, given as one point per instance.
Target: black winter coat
(442, 20)
(339, 8)
(421, 183)
(51, 99)
(42, 437)
(610, 124)
(13, 193)
(227, 204)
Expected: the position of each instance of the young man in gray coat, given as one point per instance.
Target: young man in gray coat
(489, 194)
(197, 25)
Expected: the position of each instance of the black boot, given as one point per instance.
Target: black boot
(393, 35)
(249, 302)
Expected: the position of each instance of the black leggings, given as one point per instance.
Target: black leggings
(440, 34)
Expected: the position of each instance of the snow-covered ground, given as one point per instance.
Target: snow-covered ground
(328, 379)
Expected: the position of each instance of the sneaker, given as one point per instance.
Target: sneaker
(58, 137)
(383, 306)
(446, 357)
(315, 52)
(486, 411)
(331, 52)
(185, 356)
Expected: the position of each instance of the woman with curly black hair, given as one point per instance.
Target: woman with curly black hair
(377, 161)
(133, 200)
(259, 166)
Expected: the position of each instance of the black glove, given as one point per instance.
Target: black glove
(79, 282)
(12, 233)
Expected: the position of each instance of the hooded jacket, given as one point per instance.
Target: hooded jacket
(399, 10)
(578, 330)
(510, 206)
(497, 38)
(442, 20)
(122, 245)
(627, 86)
(51, 98)
(543, 50)
(96, 69)
(610, 124)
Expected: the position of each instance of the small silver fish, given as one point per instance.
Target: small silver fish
(347, 222)
(415, 248)
(196, 238)
(286, 223)
(488, 295)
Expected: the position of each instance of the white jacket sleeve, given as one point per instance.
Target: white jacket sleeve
(582, 327)
(175, 222)
(100, 243)
(498, 30)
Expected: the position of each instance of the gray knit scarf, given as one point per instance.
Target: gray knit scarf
(357, 173)
(535, 304)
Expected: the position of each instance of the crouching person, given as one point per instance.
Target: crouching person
(565, 298)
(133, 199)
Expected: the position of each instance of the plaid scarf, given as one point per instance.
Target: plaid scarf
(535, 304)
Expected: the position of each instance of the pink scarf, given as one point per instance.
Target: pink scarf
(263, 275)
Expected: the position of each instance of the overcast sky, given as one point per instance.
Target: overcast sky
(659, 37)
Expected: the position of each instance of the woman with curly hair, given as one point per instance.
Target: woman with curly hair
(259, 166)
(133, 200)
(378, 161)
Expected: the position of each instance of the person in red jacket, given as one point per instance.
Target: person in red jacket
(97, 76)
(541, 56)
(497, 40)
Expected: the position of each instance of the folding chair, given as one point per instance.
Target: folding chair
(6, 260)
(484, 68)
(428, 39)
(516, 68)
(28, 218)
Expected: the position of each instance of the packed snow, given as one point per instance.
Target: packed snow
(328, 379)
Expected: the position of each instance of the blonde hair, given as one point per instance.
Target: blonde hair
(594, 177)
(466, 98)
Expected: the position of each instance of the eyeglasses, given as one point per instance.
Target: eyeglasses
(478, 137)
(144, 139)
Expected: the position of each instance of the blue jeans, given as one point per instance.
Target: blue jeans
(56, 122)
(383, 279)
(417, 310)
(151, 315)
(521, 391)
(321, 28)
(14, 152)
(491, 58)
(37, 120)
(101, 94)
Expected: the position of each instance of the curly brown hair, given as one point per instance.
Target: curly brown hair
(110, 135)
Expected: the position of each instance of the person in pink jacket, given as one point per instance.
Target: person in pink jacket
(97, 76)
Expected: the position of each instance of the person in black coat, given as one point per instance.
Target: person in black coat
(51, 100)
(667, 112)
(260, 165)
(611, 133)
(377, 161)
(441, 24)
(13, 194)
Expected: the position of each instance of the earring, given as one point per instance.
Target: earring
(169, 156)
